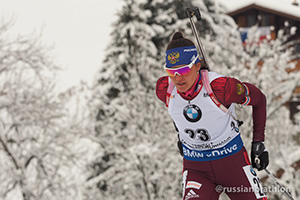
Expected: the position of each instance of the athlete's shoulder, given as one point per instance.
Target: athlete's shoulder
(220, 81)
(217, 80)
(161, 88)
(213, 76)
(229, 89)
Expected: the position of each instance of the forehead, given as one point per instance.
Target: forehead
(178, 66)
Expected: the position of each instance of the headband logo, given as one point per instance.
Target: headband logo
(193, 58)
(173, 57)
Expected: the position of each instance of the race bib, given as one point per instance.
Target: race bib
(254, 181)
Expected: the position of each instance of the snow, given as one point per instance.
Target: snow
(293, 30)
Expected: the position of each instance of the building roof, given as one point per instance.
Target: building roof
(279, 7)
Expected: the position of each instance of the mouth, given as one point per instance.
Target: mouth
(181, 84)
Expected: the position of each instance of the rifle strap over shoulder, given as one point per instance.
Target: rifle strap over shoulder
(207, 86)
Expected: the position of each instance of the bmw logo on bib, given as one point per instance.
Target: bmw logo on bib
(192, 113)
(252, 171)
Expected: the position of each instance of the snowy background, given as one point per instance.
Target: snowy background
(79, 118)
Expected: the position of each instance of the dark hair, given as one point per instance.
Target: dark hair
(179, 41)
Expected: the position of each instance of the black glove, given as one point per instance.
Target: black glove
(259, 156)
(179, 145)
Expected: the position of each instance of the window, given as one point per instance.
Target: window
(251, 20)
(265, 21)
(294, 109)
(297, 48)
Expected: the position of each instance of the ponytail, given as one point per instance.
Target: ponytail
(179, 41)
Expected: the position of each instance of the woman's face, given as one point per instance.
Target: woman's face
(185, 82)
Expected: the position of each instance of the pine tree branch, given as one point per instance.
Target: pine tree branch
(141, 169)
(7, 150)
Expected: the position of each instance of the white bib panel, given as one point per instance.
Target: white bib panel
(206, 132)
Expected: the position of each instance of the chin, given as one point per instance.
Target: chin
(181, 89)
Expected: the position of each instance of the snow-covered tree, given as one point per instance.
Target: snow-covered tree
(267, 65)
(129, 125)
(37, 155)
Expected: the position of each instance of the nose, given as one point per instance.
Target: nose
(178, 77)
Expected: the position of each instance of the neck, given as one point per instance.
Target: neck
(190, 92)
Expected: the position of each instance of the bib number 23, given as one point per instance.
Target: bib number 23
(198, 134)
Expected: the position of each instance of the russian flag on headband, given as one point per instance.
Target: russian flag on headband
(264, 32)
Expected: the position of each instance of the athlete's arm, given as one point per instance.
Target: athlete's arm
(231, 90)
(161, 88)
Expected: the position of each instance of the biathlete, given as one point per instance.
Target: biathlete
(214, 157)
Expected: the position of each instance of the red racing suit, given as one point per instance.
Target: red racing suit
(203, 178)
